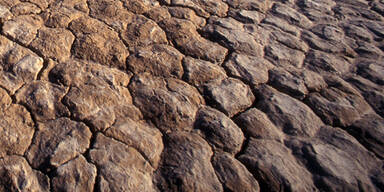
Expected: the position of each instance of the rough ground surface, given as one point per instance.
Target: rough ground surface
(191, 95)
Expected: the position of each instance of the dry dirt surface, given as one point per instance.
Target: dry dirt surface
(191, 95)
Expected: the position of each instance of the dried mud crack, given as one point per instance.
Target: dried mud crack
(192, 95)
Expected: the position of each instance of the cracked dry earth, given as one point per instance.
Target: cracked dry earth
(191, 95)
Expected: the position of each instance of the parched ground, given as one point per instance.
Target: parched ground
(191, 95)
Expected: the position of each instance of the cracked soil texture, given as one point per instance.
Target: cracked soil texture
(191, 95)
